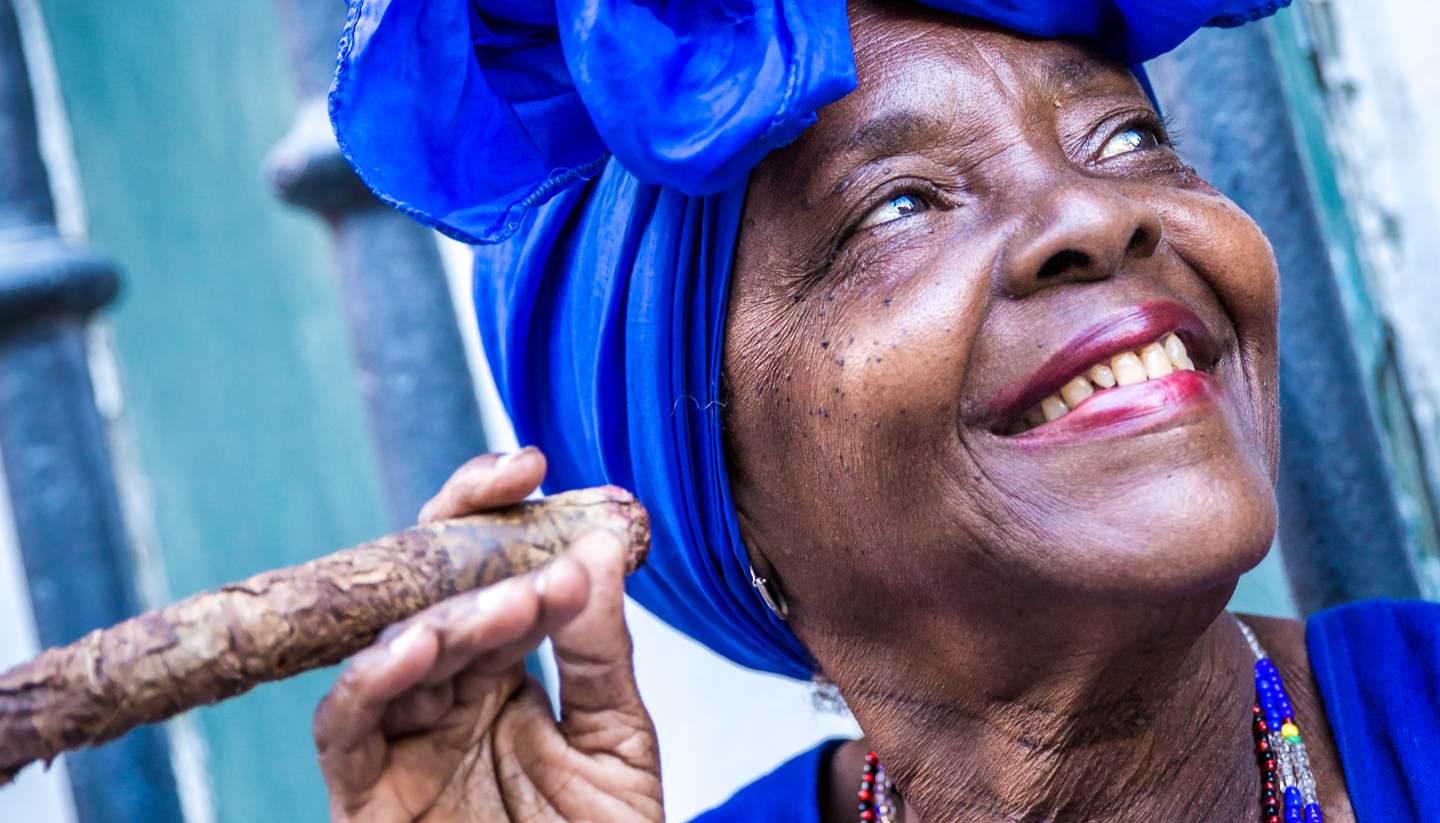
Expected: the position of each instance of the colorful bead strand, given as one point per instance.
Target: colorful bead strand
(1275, 719)
(875, 790)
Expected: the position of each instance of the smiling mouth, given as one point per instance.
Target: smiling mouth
(1144, 362)
(1152, 361)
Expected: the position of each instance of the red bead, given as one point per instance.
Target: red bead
(1262, 727)
(1262, 746)
(1255, 710)
(867, 815)
(865, 795)
(872, 758)
(1274, 818)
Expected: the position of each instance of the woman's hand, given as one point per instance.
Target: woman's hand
(438, 721)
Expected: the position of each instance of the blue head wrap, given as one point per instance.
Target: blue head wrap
(598, 149)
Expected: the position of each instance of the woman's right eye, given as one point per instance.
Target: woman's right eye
(1134, 138)
(897, 207)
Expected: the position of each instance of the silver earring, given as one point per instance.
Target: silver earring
(772, 597)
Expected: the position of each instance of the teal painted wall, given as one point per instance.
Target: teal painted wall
(231, 345)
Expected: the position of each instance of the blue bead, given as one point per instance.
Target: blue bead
(1272, 714)
(1313, 815)
(1294, 803)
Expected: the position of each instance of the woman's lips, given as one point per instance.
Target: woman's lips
(1138, 349)
(1154, 403)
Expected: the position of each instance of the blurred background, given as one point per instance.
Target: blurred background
(219, 355)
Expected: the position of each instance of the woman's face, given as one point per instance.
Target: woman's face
(984, 220)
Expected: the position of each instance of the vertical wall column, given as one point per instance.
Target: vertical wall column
(1340, 526)
(53, 444)
(423, 415)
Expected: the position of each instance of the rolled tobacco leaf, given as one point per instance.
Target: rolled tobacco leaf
(219, 644)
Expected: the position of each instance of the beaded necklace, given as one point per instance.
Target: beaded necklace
(1279, 748)
(1285, 778)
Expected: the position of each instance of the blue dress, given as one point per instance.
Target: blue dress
(1378, 668)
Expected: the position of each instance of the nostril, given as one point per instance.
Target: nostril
(1138, 240)
(1061, 262)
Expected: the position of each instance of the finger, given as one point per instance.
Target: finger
(487, 482)
(593, 651)
(503, 622)
(347, 722)
(562, 588)
(427, 649)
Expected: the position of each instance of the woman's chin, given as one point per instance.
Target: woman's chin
(1159, 513)
(1185, 534)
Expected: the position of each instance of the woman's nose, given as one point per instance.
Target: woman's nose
(1079, 232)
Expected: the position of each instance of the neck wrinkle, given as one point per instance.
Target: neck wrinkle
(1161, 735)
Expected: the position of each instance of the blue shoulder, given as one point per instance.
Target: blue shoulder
(1377, 665)
(789, 794)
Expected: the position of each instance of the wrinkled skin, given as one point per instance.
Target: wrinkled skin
(1016, 622)
(1026, 630)
(438, 722)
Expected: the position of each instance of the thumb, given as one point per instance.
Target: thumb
(600, 704)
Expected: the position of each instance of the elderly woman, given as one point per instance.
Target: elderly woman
(960, 395)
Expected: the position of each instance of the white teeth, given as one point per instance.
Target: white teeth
(1155, 360)
(1076, 391)
(1101, 376)
(1175, 350)
(1128, 369)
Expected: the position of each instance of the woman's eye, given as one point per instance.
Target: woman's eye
(1131, 139)
(902, 205)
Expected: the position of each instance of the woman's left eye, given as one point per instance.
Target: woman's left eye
(902, 205)
(1131, 139)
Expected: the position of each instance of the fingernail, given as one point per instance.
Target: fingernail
(491, 597)
(406, 640)
(510, 457)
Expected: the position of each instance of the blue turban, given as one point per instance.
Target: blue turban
(596, 151)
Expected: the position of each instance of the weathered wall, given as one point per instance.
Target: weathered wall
(238, 385)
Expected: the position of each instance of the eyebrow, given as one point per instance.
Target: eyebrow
(893, 132)
(883, 134)
(1074, 69)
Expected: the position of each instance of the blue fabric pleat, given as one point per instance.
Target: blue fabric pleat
(599, 149)
(617, 375)
(1377, 665)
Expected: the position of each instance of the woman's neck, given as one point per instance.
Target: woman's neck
(1064, 729)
